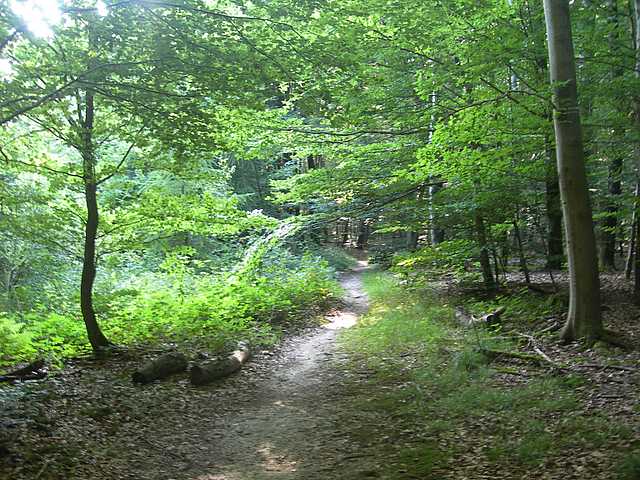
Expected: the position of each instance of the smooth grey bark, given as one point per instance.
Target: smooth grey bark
(584, 317)
(553, 208)
(96, 337)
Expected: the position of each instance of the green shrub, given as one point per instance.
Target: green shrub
(202, 310)
(449, 257)
(15, 340)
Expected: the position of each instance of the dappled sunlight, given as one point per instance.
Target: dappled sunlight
(274, 462)
(342, 320)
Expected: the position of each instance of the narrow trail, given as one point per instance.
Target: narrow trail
(291, 429)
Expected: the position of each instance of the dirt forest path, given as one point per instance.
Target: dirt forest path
(290, 430)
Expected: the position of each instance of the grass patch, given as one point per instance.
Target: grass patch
(431, 374)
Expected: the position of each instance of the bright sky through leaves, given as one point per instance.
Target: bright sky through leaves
(41, 15)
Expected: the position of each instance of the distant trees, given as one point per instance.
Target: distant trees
(433, 121)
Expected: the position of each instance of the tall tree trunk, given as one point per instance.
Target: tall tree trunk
(555, 249)
(521, 255)
(485, 261)
(610, 221)
(636, 277)
(363, 235)
(584, 317)
(636, 116)
(96, 337)
(412, 241)
(633, 238)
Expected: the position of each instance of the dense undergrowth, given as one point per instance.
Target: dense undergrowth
(204, 310)
(433, 375)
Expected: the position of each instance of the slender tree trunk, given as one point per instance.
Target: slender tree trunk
(96, 337)
(636, 277)
(555, 249)
(636, 111)
(584, 317)
(633, 238)
(523, 259)
(485, 261)
(610, 221)
(363, 235)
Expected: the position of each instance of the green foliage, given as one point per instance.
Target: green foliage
(15, 341)
(450, 257)
(336, 258)
(204, 311)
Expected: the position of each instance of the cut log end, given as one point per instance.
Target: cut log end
(211, 371)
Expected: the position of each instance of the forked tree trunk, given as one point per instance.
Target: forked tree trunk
(96, 337)
(584, 317)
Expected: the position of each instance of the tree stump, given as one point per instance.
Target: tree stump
(161, 367)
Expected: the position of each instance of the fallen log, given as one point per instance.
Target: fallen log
(161, 367)
(211, 371)
(527, 357)
(493, 319)
(28, 372)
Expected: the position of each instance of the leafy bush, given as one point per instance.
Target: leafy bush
(203, 310)
(447, 257)
(382, 255)
(216, 310)
(336, 258)
(15, 341)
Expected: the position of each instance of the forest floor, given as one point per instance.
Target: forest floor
(318, 407)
